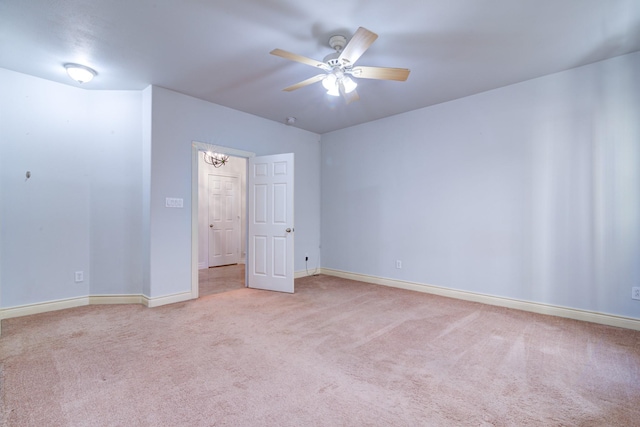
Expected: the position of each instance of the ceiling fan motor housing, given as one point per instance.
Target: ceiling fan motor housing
(338, 43)
(332, 60)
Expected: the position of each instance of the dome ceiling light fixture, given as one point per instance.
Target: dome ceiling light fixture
(80, 73)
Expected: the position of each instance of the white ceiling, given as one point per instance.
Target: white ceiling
(219, 50)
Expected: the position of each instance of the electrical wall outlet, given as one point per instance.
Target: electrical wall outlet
(398, 263)
(79, 276)
(635, 292)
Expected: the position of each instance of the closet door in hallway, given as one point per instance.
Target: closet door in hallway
(224, 220)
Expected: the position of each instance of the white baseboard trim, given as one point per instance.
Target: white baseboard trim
(570, 313)
(115, 299)
(303, 273)
(43, 307)
(307, 272)
(166, 299)
(534, 307)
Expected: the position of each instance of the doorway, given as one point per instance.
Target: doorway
(221, 220)
(216, 280)
(268, 253)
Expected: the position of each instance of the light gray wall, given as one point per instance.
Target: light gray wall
(81, 209)
(145, 229)
(177, 120)
(531, 192)
(102, 163)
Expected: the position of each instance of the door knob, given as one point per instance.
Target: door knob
(210, 225)
(288, 230)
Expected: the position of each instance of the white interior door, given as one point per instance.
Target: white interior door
(224, 220)
(270, 264)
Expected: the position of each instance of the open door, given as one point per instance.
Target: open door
(270, 261)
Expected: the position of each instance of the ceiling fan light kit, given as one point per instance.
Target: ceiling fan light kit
(339, 66)
(332, 84)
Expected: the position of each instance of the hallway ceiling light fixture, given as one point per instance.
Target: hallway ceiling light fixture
(215, 159)
(80, 73)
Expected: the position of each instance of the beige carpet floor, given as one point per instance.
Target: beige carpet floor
(335, 353)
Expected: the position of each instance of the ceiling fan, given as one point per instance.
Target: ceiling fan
(339, 66)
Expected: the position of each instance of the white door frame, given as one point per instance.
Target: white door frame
(196, 147)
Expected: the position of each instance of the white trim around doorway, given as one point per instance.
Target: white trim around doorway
(197, 146)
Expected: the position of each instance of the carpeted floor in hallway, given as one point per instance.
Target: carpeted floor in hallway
(216, 280)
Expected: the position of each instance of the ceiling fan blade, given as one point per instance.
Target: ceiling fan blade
(299, 58)
(381, 73)
(358, 44)
(348, 97)
(304, 83)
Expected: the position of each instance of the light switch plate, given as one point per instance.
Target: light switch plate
(174, 202)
